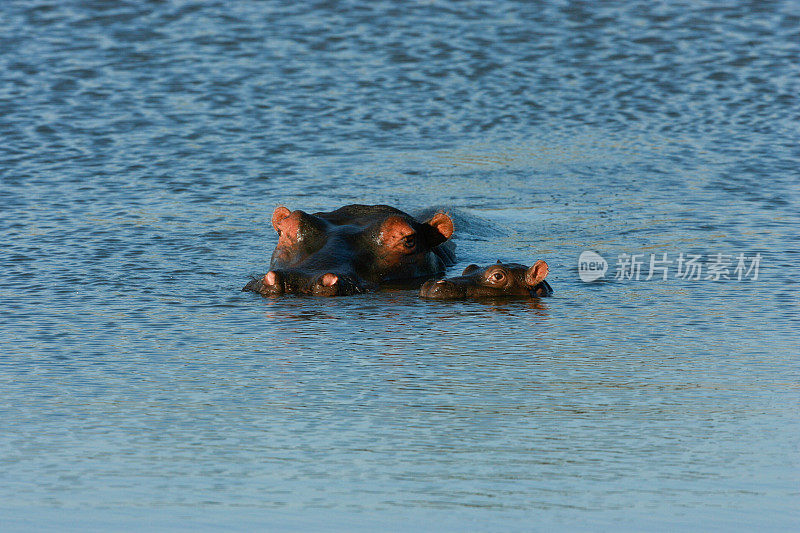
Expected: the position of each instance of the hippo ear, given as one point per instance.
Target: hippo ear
(328, 279)
(438, 229)
(536, 274)
(278, 215)
(470, 269)
(499, 262)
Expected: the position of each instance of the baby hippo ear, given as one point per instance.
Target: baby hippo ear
(438, 229)
(470, 269)
(278, 215)
(536, 273)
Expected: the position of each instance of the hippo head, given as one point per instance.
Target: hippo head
(352, 250)
(499, 280)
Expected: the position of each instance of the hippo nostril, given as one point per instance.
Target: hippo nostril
(271, 278)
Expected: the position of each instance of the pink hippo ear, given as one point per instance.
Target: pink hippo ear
(329, 279)
(536, 273)
(278, 215)
(438, 229)
(287, 224)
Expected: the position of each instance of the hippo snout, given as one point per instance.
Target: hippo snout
(441, 289)
(330, 284)
(280, 282)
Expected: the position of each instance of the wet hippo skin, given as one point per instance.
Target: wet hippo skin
(354, 249)
(499, 280)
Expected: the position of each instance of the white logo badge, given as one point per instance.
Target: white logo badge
(591, 266)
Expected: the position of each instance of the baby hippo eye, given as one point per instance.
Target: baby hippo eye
(410, 241)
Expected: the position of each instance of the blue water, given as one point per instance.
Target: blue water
(145, 145)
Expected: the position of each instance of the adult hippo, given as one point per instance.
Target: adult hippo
(499, 280)
(354, 249)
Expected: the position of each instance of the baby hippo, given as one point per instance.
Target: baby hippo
(500, 280)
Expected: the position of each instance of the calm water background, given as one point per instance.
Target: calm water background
(145, 145)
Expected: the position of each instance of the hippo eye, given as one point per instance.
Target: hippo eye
(498, 276)
(410, 241)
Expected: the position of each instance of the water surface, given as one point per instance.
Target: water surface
(145, 145)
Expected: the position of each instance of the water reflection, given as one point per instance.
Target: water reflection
(503, 306)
